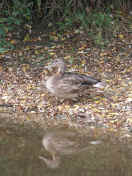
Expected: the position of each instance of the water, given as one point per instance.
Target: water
(21, 146)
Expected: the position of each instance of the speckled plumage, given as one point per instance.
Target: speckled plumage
(68, 85)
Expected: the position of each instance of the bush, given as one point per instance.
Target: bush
(91, 15)
(14, 14)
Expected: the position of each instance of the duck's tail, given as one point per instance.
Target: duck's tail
(100, 85)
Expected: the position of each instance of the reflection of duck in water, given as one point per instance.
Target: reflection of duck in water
(59, 143)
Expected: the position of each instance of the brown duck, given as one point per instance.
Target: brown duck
(69, 85)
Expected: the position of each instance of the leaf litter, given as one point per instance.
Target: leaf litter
(23, 73)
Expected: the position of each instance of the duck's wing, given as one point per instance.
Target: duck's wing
(77, 80)
(68, 85)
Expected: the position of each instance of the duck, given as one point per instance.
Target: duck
(68, 85)
(60, 142)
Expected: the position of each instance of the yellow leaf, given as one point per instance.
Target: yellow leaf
(30, 86)
(60, 108)
(26, 38)
(67, 57)
(83, 47)
(83, 62)
(37, 52)
(66, 107)
(121, 36)
(129, 120)
(13, 41)
(52, 54)
(76, 107)
(96, 110)
(27, 47)
(25, 67)
(103, 54)
(55, 38)
(97, 102)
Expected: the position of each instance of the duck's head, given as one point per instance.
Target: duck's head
(59, 64)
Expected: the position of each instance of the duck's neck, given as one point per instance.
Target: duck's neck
(61, 68)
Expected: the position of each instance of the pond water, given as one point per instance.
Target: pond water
(21, 148)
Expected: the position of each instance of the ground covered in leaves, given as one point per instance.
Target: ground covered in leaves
(23, 73)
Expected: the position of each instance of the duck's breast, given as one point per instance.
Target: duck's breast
(50, 85)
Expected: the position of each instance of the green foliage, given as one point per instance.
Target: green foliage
(4, 44)
(97, 24)
(66, 23)
(95, 21)
(14, 14)
(91, 15)
(22, 10)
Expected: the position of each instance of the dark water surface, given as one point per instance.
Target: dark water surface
(21, 146)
